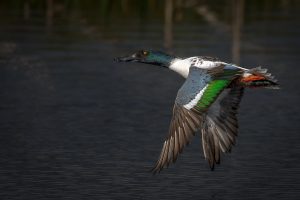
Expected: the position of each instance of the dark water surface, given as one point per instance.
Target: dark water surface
(76, 125)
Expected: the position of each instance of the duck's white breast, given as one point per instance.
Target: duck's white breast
(182, 66)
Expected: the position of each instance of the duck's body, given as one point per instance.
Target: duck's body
(207, 101)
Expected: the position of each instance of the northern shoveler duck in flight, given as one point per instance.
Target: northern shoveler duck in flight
(208, 102)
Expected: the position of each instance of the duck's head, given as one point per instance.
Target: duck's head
(149, 57)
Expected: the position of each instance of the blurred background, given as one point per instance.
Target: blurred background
(76, 125)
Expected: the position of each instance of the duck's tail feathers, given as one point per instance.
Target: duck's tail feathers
(258, 77)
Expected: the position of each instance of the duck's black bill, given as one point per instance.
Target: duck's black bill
(126, 59)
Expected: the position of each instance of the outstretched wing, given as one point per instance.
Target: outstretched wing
(199, 91)
(185, 121)
(220, 126)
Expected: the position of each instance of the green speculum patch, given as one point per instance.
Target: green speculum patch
(211, 93)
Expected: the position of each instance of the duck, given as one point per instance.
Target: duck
(207, 102)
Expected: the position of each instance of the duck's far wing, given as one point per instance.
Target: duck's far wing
(220, 125)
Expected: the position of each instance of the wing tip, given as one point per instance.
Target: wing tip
(155, 170)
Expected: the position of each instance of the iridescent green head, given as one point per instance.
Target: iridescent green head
(149, 57)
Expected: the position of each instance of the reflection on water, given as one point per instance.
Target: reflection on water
(76, 125)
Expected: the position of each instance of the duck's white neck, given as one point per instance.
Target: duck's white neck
(181, 66)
